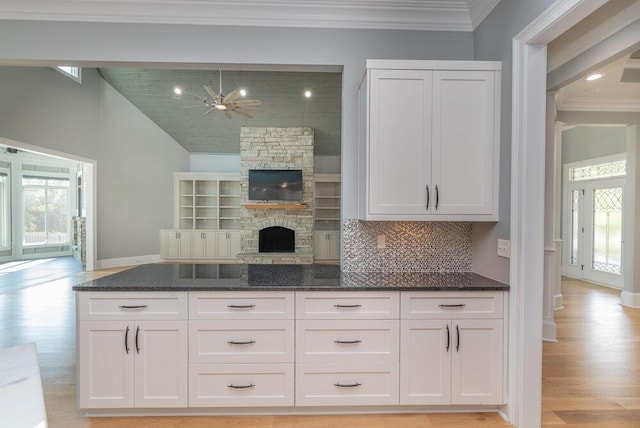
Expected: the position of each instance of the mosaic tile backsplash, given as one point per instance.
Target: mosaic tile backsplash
(410, 246)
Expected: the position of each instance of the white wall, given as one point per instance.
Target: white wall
(135, 159)
(590, 142)
(215, 162)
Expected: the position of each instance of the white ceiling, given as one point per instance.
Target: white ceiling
(434, 15)
(617, 90)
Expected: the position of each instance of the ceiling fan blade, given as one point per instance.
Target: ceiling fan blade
(211, 92)
(230, 97)
(210, 110)
(248, 102)
(245, 114)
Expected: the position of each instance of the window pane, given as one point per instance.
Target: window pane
(575, 233)
(607, 230)
(34, 216)
(33, 181)
(603, 170)
(57, 215)
(57, 183)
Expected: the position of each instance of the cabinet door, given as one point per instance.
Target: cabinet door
(106, 361)
(463, 142)
(326, 245)
(160, 363)
(176, 244)
(399, 149)
(477, 361)
(205, 245)
(425, 362)
(228, 244)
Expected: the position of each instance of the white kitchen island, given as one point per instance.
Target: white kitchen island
(242, 339)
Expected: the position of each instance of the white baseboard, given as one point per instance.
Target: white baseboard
(127, 261)
(549, 331)
(630, 300)
(558, 302)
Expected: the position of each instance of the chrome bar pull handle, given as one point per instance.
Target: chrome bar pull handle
(448, 338)
(347, 385)
(347, 306)
(137, 334)
(437, 197)
(347, 342)
(126, 340)
(133, 306)
(458, 305)
(241, 342)
(427, 190)
(458, 334)
(241, 386)
(241, 306)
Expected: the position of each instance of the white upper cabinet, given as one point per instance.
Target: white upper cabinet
(429, 141)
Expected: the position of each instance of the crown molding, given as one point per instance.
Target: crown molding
(425, 15)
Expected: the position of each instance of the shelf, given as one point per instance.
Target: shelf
(276, 206)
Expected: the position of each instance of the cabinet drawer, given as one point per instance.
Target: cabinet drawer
(346, 384)
(240, 385)
(98, 305)
(347, 341)
(347, 305)
(216, 341)
(424, 305)
(241, 305)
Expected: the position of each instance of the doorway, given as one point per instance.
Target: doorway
(593, 219)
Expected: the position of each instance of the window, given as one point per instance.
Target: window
(601, 170)
(74, 72)
(5, 209)
(46, 210)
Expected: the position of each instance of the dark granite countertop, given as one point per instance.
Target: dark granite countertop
(230, 277)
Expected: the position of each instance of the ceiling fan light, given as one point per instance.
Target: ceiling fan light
(177, 90)
(220, 107)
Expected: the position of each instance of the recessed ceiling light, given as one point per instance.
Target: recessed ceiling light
(177, 90)
(307, 94)
(243, 93)
(594, 76)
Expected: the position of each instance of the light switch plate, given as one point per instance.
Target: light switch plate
(504, 247)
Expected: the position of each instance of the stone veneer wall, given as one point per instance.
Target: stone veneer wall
(410, 246)
(277, 148)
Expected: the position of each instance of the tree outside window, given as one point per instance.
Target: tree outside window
(46, 211)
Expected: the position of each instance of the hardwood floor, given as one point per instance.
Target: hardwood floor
(591, 378)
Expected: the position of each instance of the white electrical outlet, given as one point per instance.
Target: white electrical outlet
(504, 248)
(382, 241)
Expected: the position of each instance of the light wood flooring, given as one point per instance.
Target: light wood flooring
(591, 377)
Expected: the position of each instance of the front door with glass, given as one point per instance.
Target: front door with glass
(593, 223)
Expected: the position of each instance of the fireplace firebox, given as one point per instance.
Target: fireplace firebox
(276, 239)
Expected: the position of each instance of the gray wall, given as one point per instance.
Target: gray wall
(493, 41)
(589, 142)
(134, 158)
(34, 42)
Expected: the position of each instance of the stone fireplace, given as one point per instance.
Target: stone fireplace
(287, 226)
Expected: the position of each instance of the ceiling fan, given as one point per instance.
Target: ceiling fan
(229, 103)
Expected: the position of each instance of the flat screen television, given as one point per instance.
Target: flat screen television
(275, 184)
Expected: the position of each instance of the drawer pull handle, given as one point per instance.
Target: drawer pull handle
(126, 340)
(241, 306)
(241, 386)
(347, 385)
(244, 342)
(133, 306)
(459, 305)
(347, 342)
(347, 306)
